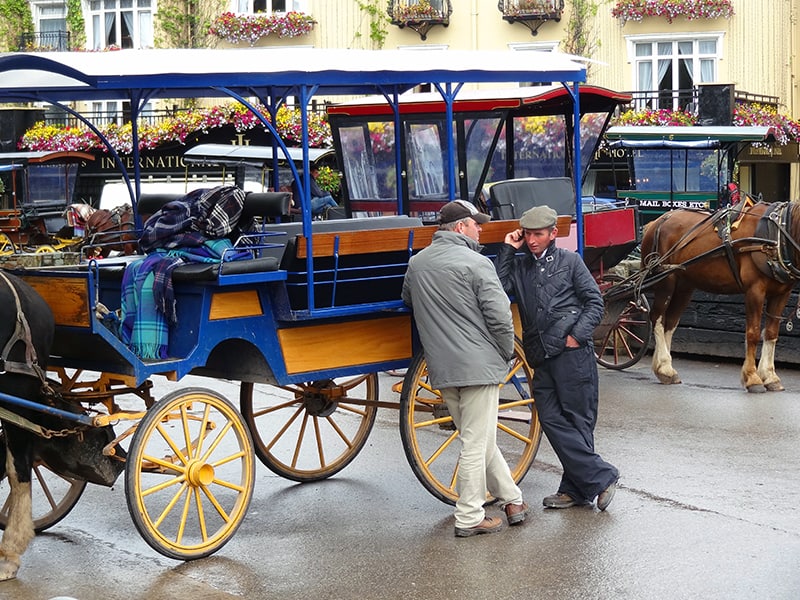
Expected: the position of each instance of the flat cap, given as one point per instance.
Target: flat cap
(461, 209)
(538, 217)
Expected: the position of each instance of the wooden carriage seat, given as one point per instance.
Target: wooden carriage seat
(509, 199)
(349, 277)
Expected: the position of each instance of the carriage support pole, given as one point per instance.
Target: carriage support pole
(50, 410)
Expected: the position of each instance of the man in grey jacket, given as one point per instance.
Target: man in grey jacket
(560, 305)
(463, 317)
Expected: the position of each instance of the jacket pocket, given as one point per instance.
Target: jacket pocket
(533, 347)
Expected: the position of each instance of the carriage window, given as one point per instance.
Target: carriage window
(479, 134)
(592, 125)
(679, 170)
(426, 161)
(539, 147)
(368, 161)
(52, 183)
(669, 69)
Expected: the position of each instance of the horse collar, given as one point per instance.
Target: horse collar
(22, 333)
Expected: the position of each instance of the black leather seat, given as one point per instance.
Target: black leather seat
(509, 199)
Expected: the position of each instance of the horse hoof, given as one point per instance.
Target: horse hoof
(8, 570)
(756, 389)
(668, 379)
(775, 386)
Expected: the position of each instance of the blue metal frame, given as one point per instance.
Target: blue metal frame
(271, 75)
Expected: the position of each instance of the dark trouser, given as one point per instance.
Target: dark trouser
(565, 389)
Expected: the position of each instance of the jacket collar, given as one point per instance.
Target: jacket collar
(456, 239)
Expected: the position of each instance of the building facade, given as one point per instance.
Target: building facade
(746, 45)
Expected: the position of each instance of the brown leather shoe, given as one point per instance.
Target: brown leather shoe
(560, 500)
(488, 525)
(516, 513)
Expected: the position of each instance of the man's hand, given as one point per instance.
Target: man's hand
(515, 238)
(572, 342)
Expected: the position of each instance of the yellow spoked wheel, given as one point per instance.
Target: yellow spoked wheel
(430, 439)
(310, 431)
(45, 249)
(189, 474)
(53, 496)
(6, 245)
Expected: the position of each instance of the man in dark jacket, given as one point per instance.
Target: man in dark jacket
(560, 305)
(464, 321)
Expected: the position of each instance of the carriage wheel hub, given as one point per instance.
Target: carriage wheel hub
(320, 398)
(200, 473)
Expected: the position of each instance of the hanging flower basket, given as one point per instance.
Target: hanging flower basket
(531, 7)
(53, 137)
(236, 29)
(421, 11)
(636, 10)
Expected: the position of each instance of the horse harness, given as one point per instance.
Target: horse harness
(771, 237)
(22, 334)
(775, 225)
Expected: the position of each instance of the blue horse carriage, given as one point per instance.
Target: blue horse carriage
(310, 315)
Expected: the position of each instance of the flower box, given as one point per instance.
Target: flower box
(636, 10)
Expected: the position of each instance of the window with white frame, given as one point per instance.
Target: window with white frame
(665, 71)
(533, 47)
(121, 23)
(269, 6)
(51, 23)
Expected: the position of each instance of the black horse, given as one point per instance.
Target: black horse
(26, 336)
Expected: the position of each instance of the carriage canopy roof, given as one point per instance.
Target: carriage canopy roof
(227, 154)
(541, 100)
(194, 73)
(652, 136)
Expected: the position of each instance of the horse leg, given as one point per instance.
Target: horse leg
(662, 357)
(19, 529)
(766, 365)
(753, 306)
(670, 302)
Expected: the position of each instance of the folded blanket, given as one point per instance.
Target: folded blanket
(148, 298)
(143, 328)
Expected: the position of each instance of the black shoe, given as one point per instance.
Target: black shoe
(605, 497)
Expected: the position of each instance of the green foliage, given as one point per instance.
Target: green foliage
(185, 23)
(378, 20)
(15, 19)
(76, 25)
(580, 38)
(329, 180)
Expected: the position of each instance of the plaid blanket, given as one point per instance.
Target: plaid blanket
(200, 215)
(148, 299)
(142, 327)
(192, 229)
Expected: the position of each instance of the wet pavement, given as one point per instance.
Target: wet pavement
(706, 509)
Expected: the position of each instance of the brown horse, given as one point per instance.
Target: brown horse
(114, 229)
(737, 250)
(27, 330)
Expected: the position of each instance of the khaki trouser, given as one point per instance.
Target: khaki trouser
(481, 467)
